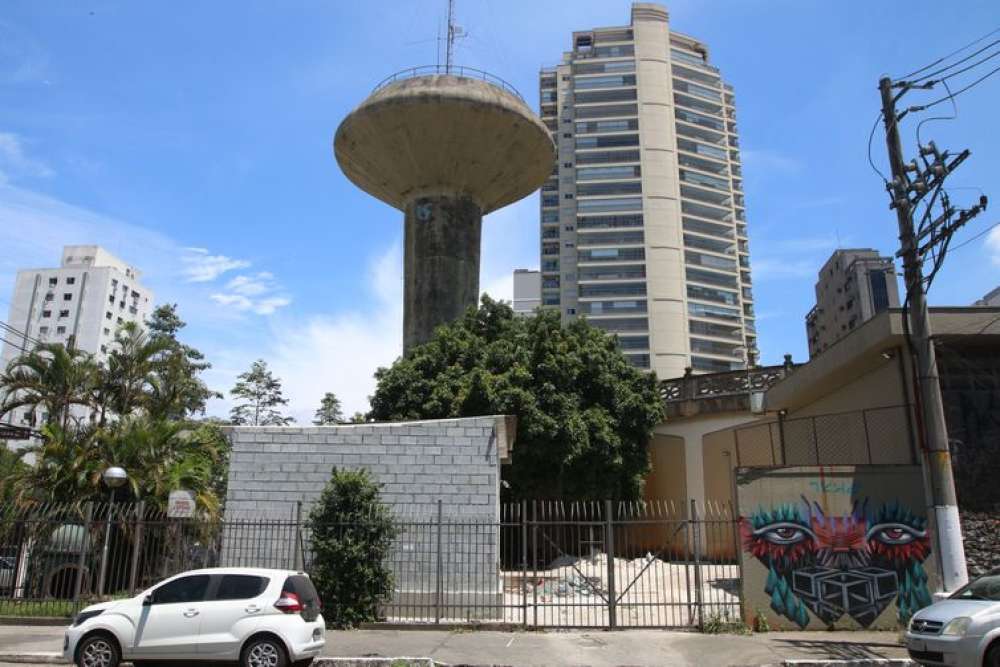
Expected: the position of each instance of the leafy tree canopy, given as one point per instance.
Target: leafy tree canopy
(584, 413)
(259, 396)
(329, 411)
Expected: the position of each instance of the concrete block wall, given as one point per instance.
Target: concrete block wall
(456, 461)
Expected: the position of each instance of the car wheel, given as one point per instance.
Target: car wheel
(264, 652)
(992, 656)
(98, 651)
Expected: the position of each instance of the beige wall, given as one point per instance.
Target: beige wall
(880, 386)
(667, 479)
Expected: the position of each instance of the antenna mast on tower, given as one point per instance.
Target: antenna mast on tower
(454, 32)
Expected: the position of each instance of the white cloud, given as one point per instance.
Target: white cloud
(200, 266)
(258, 283)
(339, 352)
(15, 162)
(993, 245)
(254, 293)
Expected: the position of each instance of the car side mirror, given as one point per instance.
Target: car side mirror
(147, 601)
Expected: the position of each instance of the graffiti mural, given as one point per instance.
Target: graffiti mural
(856, 563)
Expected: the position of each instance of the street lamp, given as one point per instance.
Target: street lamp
(113, 477)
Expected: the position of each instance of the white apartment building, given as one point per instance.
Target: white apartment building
(643, 223)
(527, 291)
(80, 303)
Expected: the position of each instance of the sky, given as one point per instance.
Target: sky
(194, 141)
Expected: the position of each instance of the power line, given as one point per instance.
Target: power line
(952, 96)
(954, 64)
(870, 137)
(973, 65)
(953, 53)
(977, 236)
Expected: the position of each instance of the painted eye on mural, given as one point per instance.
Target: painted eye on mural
(784, 533)
(894, 533)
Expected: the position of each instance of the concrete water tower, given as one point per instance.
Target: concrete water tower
(446, 145)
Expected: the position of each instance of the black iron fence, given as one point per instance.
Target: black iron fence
(536, 564)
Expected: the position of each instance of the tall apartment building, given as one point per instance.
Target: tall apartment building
(853, 286)
(527, 291)
(83, 301)
(643, 223)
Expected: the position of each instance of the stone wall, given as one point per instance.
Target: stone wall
(981, 535)
(416, 464)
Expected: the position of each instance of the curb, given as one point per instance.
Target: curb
(857, 662)
(57, 659)
(35, 620)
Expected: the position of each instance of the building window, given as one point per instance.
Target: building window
(63, 313)
(60, 330)
(104, 348)
(107, 331)
(568, 165)
(120, 321)
(50, 296)
(114, 283)
(107, 315)
(567, 196)
(53, 282)
(43, 330)
(46, 313)
(111, 299)
(571, 311)
(71, 280)
(67, 296)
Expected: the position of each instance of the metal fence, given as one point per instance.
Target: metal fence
(874, 436)
(538, 564)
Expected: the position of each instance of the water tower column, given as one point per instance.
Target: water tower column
(440, 263)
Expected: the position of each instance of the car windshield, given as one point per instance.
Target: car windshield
(986, 587)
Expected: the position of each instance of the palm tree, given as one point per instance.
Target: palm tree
(52, 378)
(130, 371)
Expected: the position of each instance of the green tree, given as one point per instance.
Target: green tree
(358, 418)
(259, 393)
(11, 468)
(51, 379)
(352, 533)
(329, 411)
(584, 414)
(177, 389)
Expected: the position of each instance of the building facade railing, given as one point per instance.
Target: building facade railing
(730, 383)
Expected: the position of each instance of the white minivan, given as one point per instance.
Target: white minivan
(262, 618)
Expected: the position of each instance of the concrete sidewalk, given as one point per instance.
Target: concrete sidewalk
(597, 649)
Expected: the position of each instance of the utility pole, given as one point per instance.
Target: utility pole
(905, 194)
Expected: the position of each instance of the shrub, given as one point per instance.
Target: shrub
(352, 532)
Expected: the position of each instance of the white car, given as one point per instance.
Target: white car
(262, 618)
(962, 630)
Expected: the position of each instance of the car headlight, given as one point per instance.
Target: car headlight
(957, 627)
(86, 615)
(909, 625)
